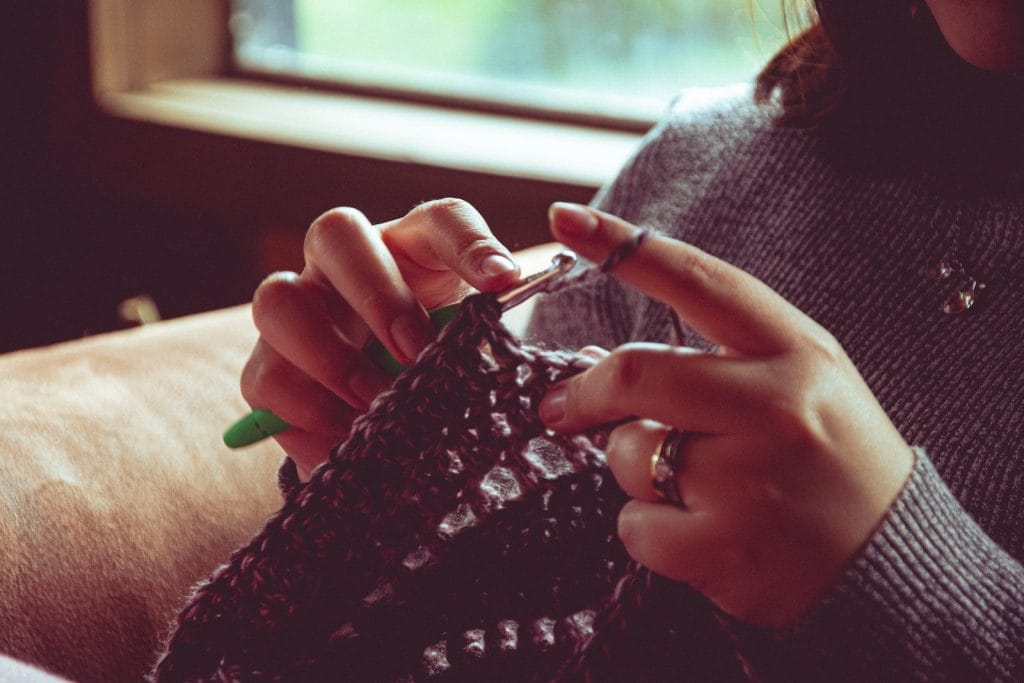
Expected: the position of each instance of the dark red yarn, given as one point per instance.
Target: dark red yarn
(450, 538)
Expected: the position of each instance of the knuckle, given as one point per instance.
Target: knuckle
(626, 368)
(262, 382)
(798, 415)
(790, 413)
(699, 268)
(276, 290)
(823, 349)
(460, 222)
(443, 211)
(253, 382)
(801, 396)
(331, 226)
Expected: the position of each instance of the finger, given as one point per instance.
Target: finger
(722, 302)
(343, 247)
(664, 538)
(449, 236)
(594, 352)
(629, 452)
(708, 468)
(692, 391)
(292, 318)
(308, 450)
(270, 382)
(589, 356)
(346, 320)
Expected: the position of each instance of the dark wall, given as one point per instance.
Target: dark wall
(73, 246)
(95, 210)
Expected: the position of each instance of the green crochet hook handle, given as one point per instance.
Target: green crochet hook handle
(261, 424)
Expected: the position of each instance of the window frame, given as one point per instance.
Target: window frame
(143, 72)
(475, 102)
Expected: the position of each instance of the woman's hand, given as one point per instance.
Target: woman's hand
(307, 366)
(789, 463)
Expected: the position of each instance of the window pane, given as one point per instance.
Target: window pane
(623, 57)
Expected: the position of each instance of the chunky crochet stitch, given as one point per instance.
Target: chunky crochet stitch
(451, 537)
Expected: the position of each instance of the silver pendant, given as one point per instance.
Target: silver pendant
(961, 299)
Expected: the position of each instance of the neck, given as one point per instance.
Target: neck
(932, 109)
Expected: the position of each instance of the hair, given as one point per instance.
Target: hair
(850, 53)
(878, 84)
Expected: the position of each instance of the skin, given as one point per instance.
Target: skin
(795, 463)
(792, 464)
(986, 33)
(359, 279)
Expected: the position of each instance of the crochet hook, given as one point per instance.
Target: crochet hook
(261, 424)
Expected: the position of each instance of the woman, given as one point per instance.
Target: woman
(872, 204)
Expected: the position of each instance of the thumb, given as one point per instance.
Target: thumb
(451, 235)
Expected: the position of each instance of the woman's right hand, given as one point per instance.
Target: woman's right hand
(360, 279)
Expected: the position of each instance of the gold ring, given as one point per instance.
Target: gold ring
(665, 466)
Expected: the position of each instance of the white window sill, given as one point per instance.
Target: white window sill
(378, 129)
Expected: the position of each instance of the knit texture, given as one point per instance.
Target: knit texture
(450, 538)
(853, 236)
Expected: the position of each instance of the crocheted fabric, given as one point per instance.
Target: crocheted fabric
(451, 537)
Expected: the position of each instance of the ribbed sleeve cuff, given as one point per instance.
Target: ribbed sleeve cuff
(930, 597)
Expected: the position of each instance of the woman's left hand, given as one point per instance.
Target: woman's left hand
(789, 463)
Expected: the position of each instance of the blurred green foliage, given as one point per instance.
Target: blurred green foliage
(633, 48)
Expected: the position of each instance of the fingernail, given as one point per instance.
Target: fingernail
(595, 352)
(574, 220)
(365, 385)
(411, 334)
(552, 408)
(496, 264)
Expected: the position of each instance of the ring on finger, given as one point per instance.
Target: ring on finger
(665, 462)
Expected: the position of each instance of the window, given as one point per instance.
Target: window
(551, 95)
(609, 59)
(197, 108)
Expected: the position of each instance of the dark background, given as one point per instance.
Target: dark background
(95, 209)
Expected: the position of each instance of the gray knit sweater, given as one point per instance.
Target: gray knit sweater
(938, 592)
